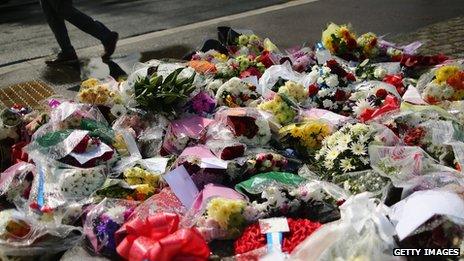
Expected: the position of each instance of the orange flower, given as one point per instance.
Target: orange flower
(456, 80)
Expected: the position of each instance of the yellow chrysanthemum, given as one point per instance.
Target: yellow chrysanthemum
(443, 73)
(327, 41)
(90, 83)
(220, 210)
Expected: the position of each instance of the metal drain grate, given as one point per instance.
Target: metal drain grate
(28, 94)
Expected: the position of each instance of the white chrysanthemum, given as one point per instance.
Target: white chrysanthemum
(359, 128)
(313, 76)
(360, 106)
(346, 165)
(327, 103)
(332, 154)
(332, 81)
(358, 149)
(344, 139)
(328, 164)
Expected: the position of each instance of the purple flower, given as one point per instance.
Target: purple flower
(203, 103)
(105, 231)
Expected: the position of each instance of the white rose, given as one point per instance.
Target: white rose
(332, 81)
(380, 72)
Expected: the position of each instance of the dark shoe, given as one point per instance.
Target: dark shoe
(110, 45)
(63, 58)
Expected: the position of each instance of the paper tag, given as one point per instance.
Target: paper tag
(271, 225)
(213, 163)
(83, 158)
(157, 164)
(412, 212)
(182, 185)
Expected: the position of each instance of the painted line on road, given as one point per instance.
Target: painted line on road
(161, 33)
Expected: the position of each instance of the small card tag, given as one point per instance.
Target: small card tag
(182, 185)
(213, 163)
(271, 225)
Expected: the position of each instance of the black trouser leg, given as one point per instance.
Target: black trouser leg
(56, 23)
(82, 21)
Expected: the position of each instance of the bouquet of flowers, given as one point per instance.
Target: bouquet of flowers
(102, 222)
(22, 235)
(283, 112)
(93, 91)
(182, 132)
(252, 238)
(202, 104)
(445, 83)
(159, 95)
(255, 163)
(223, 218)
(341, 41)
(306, 136)
(247, 124)
(373, 99)
(346, 150)
(236, 93)
(330, 86)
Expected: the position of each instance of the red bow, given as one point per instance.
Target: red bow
(159, 238)
(390, 103)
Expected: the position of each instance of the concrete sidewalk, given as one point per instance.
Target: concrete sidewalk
(289, 24)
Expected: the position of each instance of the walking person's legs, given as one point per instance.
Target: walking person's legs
(58, 27)
(88, 25)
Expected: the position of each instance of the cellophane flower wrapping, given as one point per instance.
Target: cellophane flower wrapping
(16, 181)
(24, 235)
(247, 124)
(443, 83)
(363, 232)
(102, 222)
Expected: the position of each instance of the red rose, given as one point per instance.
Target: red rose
(313, 89)
(350, 77)
(381, 93)
(265, 58)
(340, 95)
(336, 68)
(232, 152)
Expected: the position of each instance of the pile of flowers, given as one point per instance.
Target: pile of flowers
(243, 151)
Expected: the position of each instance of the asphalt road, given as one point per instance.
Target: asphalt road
(24, 33)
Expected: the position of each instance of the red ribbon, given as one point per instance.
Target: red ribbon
(390, 103)
(159, 238)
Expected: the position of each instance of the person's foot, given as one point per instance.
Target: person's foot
(110, 45)
(63, 58)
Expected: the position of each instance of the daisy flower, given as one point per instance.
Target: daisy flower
(358, 149)
(346, 166)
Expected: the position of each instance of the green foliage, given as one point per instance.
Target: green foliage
(153, 93)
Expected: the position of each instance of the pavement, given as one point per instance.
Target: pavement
(287, 23)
